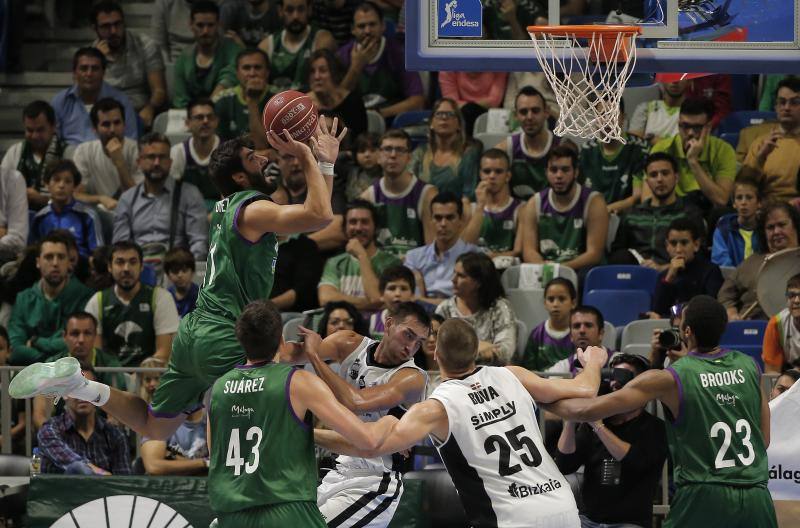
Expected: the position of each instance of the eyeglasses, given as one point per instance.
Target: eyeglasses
(395, 150)
(444, 114)
(792, 294)
(781, 101)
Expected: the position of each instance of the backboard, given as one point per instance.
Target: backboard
(681, 36)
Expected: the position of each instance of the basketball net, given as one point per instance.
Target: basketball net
(587, 68)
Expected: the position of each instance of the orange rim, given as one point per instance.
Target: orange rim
(587, 30)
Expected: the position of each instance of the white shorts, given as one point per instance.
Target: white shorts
(359, 500)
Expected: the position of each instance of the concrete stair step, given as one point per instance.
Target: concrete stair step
(19, 97)
(36, 79)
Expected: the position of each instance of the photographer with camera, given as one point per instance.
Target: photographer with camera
(623, 455)
(666, 346)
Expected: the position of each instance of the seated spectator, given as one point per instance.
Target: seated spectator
(428, 349)
(614, 169)
(397, 286)
(376, 65)
(169, 28)
(494, 223)
(434, 263)
(474, 93)
(40, 312)
(401, 200)
(147, 382)
(733, 238)
(777, 229)
(366, 170)
(41, 148)
(206, 67)
(448, 160)
(190, 158)
(136, 320)
(184, 453)
(325, 80)
(81, 442)
(107, 164)
(508, 20)
(353, 275)
(336, 16)
(706, 164)
(784, 382)
(479, 299)
(529, 148)
(781, 348)
(586, 328)
(297, 274)
(134, 63)
(565, 222)
(99, 275)
(550, 342)
(290, 48)
(248, 22)
(240, 107)
(622, 457)
(74, 104)
(64, 212)
(179, 267)
(341, 315)
(658, 119)
(13, 215)
(537, 80)
(643, 229)
(774, 159)
(689, 272)
(18, 414)
(160, 213)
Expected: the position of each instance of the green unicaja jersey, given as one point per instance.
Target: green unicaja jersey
(237, 270)
(613, 175)
(261, 452)
(716, 437)
(499, 227)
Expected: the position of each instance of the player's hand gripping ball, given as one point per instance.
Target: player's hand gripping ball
(293, 111)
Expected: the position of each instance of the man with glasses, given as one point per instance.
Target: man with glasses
(774, 159)
(706, 164)
(782, 336)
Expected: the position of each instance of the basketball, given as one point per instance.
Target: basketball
(292, 111)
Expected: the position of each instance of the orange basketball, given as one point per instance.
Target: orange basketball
(293, 111)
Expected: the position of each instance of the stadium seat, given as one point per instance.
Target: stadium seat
(522, 337)
(15, 466)
(528, 306)
(440, 499)
(609, 335)
(619, 307)
(482, 122)
(375, 122)
(412, 118)
(489, 139)
(290, 329)
(731, 137)
(510, 277)
(621, 278)
(641, 331)
(743, 333)
(637, 350)
(735, 121)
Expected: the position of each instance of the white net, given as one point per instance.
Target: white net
(587, 77)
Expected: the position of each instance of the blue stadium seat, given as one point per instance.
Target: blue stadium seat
(743, 333)
(619, 307)
(732, 138)
(736, 121)
(414, 117)
(621, 278)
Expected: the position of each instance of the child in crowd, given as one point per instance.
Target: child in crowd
(733, 239)
(397, 285)
(366, 169)
(179, 267)
(550, 342)
(782, 339)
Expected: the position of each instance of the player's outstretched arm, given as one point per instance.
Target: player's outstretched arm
(650, 385)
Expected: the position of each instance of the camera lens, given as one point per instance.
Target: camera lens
(670, 339)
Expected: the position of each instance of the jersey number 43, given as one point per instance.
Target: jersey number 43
(234, 459)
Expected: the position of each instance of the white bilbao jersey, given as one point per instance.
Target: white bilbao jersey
(361, 370)
(495, 455)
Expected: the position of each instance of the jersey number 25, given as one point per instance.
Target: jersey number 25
(513, 440)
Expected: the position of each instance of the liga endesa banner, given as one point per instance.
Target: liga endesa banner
(784, 448)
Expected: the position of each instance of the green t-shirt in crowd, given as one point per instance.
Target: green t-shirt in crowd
(344, 272)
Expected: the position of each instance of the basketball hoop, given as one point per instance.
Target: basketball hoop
(587, 68)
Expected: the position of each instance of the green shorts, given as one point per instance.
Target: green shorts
(204, 349)
(287, 515)
(720, 506)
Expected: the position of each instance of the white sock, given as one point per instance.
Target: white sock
(93, 392)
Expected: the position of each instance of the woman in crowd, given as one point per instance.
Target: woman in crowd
(341, 315)
(475, 92)
(325, 74)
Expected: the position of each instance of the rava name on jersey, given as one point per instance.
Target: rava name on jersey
(720, 379)
(242, 386)
(489, 416)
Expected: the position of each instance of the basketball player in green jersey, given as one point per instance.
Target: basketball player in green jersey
(262, 468)
(718, 426)
(240, 268)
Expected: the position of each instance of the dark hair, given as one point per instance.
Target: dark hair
(359, 324)
(334, 64)
(105, 6)
(88, 51)
(761, 225)
(396, 273)
(203, 6)
(106, 104)
(561, 281)
(151, 138)
(101, 277)
(396, 133)
(177, 259)
(36, 108)
(697, 106)
(436, 317)
(587, 309)
(746, 179)
(80, 315)
(259, 329)
(791, 82)
(87, 367)
(252, 51)
(57, 236)
(407, 309)
(125, 245)
(456, 345)
(367, 140)
(794, 280)
(367, 7)
(63, 165)
(529, 91)
(495, 154)
(360, 203)
(683, 223)
(639, 363)
(563, 151)
(707, 318)
(792, 372)
(447, 197)
(480, 267)
(199, 101)
(661, 156)
(226, 161)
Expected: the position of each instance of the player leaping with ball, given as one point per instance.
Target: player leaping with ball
(240, 268)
